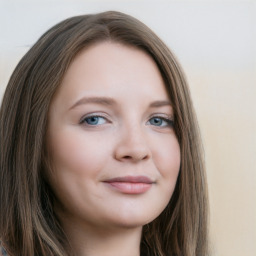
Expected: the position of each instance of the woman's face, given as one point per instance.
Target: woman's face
(111, 140)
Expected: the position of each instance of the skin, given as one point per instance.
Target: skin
(125, 131)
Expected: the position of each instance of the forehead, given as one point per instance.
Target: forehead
(110, 68)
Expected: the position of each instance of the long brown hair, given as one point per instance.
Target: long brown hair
(28, 225)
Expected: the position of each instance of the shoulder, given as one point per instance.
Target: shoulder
(2, 251)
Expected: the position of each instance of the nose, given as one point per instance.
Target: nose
(132, 146)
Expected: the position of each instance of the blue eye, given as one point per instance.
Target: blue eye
(94, 120)
(160, 121)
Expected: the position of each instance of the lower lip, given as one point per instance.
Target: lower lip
(130, 188)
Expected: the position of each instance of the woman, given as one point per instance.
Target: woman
(100, 150)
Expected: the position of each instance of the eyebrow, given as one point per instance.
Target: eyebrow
(160, 103)
(109, 102)
(98, 100)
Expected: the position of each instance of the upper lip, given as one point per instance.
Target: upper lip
(131, 179)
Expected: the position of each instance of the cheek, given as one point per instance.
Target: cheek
(168, 157)
(167, 160)
(77, 162)
(77, 154)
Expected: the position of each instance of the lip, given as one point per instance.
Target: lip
(130, 184)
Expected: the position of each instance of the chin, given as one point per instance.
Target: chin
(134, 220)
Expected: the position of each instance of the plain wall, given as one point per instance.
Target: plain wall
(215, 42)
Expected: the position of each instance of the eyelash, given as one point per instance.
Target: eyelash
(168, 120)
(83, 121)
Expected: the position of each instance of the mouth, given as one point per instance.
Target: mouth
(130, 184)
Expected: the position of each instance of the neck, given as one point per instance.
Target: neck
(94, 241)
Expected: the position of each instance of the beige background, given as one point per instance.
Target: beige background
(216, 44)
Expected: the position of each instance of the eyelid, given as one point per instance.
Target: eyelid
(93, 114)
(167, 118)
(162, 115)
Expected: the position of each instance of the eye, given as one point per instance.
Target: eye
(161, 121)
(94, 120)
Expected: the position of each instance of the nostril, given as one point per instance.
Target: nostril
(127, 157)
(131, 152)
(145, 157)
